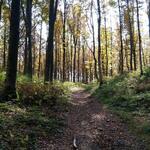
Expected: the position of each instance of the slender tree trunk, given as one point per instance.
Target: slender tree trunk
(133, 31)
(131, 37)
(34, 53)
(140, 39)
(25, 40)
(126, 54)
(74, 59)
(79, 60)
(94, 49)
(83, 64)
(111, 52)
(59, 60)
(50, 45)
(11, 72)
(1, 3)
(40, 49)
(25, 56)
(56, 57)
(29, 38)
(71, 65)
(99, 44)
(106, 45)
(121, 68)
(149, 16)
(4, 52)
(64, 42)
(143, 58)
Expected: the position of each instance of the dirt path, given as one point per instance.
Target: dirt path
(92, 127)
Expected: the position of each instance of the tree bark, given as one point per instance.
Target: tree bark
(94, 49)
(106, 45)
(64, 42)
(99, 44)
(121, 63)
(11, 72)
(131, 37)
(50, 45)
(74, 59)
(1, 3)
(83, 64)
(79, 46)
(149, 16)
(40, 49)
(140, 39)
(29, 37)
(4, 52)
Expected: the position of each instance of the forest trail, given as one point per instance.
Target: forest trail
(90, 126)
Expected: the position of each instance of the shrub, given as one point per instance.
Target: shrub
(146, 74)
(40, 94)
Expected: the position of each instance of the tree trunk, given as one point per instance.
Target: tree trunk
(25, 56)
(71, 66)
(149, 16)
(50, 44)
(40, 49)
(64, 42)
(94, 49)
(131, 37)
(111, 52)
(74, 59)
(133, 31)
(29, 38)
(1, 3)
(99, 44)
(11, 73)
(56, 57)
(83, 64)
(79, 60)
(121, 68)
(4, 52)
(140, 39)
(106, 45)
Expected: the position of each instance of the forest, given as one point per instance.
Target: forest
(74, 75)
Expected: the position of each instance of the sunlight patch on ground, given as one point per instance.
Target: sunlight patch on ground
(98, 117)
(75, 89)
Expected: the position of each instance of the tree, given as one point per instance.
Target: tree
(11, 73)
(1, 3)
(40, 46)
(148, 12)
(29, 38)
(121, 40)
(99, 43)
(93, 36)
(106, 43)
(139, 36)
(64, 40)
(131, 37)
(50, 45)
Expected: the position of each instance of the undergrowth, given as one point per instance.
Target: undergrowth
(22, 128)
(36, 114)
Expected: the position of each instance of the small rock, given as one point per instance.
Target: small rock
(119, 142)
(108, 120)
(100, 129)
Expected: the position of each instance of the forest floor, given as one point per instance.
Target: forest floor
(90, 126)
